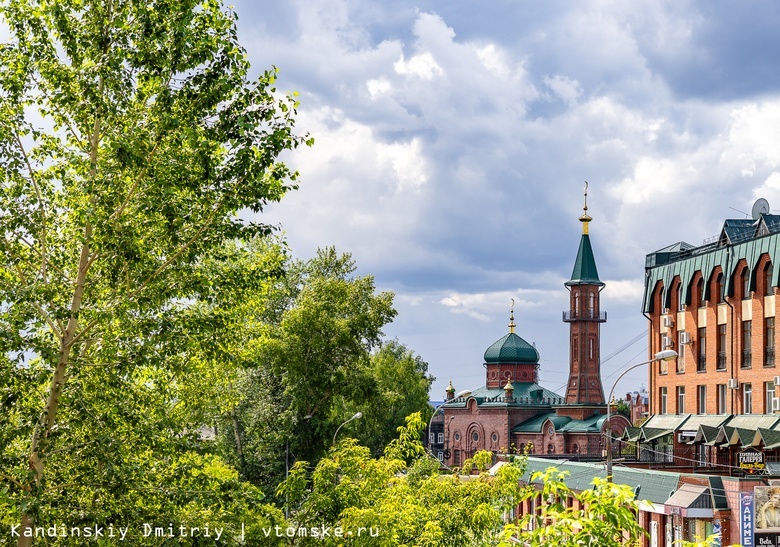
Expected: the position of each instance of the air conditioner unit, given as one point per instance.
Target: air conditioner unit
(775, 404)
(667, 321)
(733, 383)
(666, 341)
(686, 436)
(685, 337)
(777, 381)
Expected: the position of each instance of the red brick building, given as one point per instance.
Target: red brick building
(513, 412)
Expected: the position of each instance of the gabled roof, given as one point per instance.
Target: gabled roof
(585, 272)
(706, 434)
(651, 433)
(631, 434)
(736, 230)
(770, 438)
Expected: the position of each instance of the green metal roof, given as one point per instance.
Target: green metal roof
(592, 424)
(563, 424)
(656, 486)
(524, 394)
(733, 245)
(511, 349)
(585, 272)
(535, 424)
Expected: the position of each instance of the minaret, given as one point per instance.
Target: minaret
(584, 317)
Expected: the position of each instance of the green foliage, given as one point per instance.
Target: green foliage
(395, 503)
(394, 384)
(130, 140)
(605, 513)
(313, 360)
(710, 541)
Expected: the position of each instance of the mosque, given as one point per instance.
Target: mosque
(513, 413)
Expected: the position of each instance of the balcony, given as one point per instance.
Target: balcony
(584, 315)
(747, 359)
(701, 364)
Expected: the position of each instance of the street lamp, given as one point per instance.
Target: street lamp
(355, 416)
(665, 355)
(464, 393)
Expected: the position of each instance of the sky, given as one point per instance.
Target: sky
(453, 141)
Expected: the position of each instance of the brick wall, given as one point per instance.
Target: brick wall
(711, 315)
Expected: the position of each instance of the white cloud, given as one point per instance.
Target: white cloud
(566, 89)
(423, 66)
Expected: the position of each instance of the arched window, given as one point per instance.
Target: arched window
(745, 283)
(591, 303)
(576, 304)
(719, 296)
(768, 288)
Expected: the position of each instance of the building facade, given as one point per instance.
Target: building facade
(716, 306)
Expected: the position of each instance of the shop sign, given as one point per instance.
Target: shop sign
(751, 461)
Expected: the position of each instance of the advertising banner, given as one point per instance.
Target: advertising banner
(766, 503)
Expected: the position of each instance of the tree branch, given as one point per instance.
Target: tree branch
(41, 203)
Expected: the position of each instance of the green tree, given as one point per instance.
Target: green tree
(308, 361)
(401, 498)
(394, 385)
(130, 138)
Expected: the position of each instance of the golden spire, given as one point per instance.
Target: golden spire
(585, 218)
(512, 316)
(450, 388)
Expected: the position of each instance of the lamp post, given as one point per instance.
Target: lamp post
(355, 416)
(665, 355)
(464, 393)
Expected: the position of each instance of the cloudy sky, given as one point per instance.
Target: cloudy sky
(453, 140)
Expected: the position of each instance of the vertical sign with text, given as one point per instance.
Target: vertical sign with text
(746, 519)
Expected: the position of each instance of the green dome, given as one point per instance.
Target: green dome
(511, 349)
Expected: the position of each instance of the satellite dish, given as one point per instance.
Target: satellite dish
(760, 207)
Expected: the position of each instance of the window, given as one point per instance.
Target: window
(662, 398)
(769, 395)
(576, 304)
(701, 343)
(747, 328)
(702, 402)
(768, 288)
(430, 438)
(440, 455)
(441, 438)
(719, 295)
(745, 283)
(680, 399)
(721, 347)
(591, 304)
(722, 398)
(747, 398)
(769, 342)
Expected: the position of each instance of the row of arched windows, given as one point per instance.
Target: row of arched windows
(740, 287)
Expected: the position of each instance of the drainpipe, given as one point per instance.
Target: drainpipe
(729, 254)
(650, 321)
